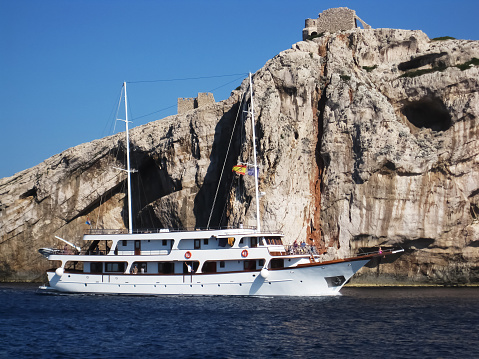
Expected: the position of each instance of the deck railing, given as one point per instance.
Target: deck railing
(99, 231)
(298, 250)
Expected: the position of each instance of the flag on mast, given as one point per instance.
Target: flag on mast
(240, 169)
(251, 171)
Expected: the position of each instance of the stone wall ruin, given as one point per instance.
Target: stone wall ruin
(333, 20)
(190, 103)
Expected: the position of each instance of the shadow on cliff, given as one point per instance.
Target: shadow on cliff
(151, 182)
(204, 199)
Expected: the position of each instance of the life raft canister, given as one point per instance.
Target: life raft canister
(244, 253)
(188, 255)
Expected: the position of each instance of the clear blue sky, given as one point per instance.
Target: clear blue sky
(62, 62)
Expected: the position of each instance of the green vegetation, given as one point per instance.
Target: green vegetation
(422, 72)
(472, 62)
(314, 35)
(442, 38)
(370, 68)
(345, 77)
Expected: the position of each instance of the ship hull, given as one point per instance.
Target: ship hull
(313, 280)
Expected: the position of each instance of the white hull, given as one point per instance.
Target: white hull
(299, 281)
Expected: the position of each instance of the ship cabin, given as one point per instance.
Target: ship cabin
(176, 252)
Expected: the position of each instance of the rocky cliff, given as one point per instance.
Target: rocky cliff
(366, 138)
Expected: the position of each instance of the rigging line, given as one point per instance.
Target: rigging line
(167, 108)
(118, 109)
(224, 163)
(224, 207)
(152, 113)
(186, 78)
(216, 88)
(108, 123)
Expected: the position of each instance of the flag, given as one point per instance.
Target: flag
(251, 171)
(240, 169)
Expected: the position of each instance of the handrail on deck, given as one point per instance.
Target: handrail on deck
(167, 230)
(381, 251)
(299, 249)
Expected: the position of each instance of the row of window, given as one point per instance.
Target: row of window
(222, 242)
(188, 266)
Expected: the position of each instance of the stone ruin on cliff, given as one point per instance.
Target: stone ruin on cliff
(190, 103)
(332, 20)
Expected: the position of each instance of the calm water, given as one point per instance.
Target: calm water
(362, 323)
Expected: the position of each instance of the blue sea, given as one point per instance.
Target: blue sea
(361, 323)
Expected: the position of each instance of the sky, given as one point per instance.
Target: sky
(63, 62)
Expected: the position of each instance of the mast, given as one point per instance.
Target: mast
(258, 225)
(128, 171)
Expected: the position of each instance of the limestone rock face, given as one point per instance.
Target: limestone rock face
(365, 138)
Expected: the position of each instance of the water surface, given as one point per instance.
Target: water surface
(362, 323)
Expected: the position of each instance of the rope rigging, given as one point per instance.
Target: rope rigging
(115, 151)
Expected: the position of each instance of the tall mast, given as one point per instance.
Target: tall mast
(258, 225)
(128, 171)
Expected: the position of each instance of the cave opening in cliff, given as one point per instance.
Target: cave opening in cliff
(428, 112)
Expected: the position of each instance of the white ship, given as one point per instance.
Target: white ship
(239, 261)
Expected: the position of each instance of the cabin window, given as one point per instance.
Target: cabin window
(254, 242)
(124, 243)
(190, 267)
(209, 267)
(205, 241)
(74, 266)
(249, 265)
(114, 267)
(141, 266)
(96, 267)
(222, 242)
(222, 264)
(277, 263)
(273, 241)
(166, 267)
(197, 244)
(260, 262)
(164, 242)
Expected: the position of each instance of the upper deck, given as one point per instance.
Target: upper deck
(169, 234)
